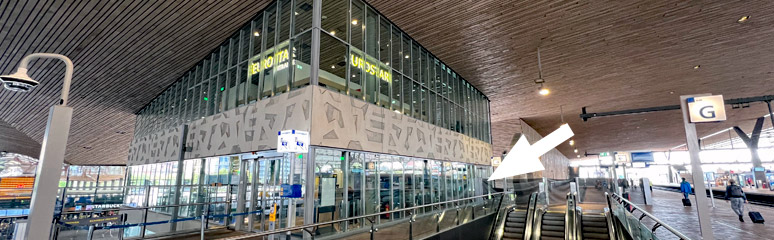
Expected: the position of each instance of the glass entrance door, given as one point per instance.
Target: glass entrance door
(260, 194)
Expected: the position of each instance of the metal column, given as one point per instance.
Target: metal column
(48, 172)
(309, 188)
(179, 180)
(696, 171)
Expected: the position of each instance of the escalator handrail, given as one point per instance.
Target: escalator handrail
(530, 216)
(571, 217)
(620, 200)
(610, 226)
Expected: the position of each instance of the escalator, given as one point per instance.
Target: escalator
(515, 224)
(552, 225)
(594, 227)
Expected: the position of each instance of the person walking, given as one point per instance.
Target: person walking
(737, 197)
(685, 188)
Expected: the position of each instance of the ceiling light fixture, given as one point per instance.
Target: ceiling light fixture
(257, 34)
(578, 156)
(542, 90)
(333, 33)
(697, 67)
(354, 21)
(743, 19)
(575, 150)
(572, 142)
(333, 66)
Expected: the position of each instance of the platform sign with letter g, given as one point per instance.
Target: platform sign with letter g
(706, 109)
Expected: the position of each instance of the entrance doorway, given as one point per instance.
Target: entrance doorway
(260, 194)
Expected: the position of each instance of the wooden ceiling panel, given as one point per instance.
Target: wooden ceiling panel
(607, 55)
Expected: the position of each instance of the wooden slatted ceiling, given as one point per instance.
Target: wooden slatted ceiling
(125, 53)
(607, 55)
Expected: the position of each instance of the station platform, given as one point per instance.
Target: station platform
(668, 207)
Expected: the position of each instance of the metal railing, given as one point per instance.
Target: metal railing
(309, 228)
(529, 224)
(8, 225)
(624, 210)
(206, 210)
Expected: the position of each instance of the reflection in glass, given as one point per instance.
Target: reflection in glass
(335, 18)
(357, 24)
(303, 15)
(333, 63)
(302, 58)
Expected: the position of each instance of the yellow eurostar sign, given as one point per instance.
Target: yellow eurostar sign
(270, 61)
(370, 68)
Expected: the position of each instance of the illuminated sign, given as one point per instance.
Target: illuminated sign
(279, 59)
(369, 67)
(706, 109)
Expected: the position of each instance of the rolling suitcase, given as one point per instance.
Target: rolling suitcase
(756, 217)
(686, 202)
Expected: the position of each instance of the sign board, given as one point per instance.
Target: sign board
(604, 154)
(706, 109)
(328, 191)
(622, 157)
(292, 141)
(291, 191)
(496, 161)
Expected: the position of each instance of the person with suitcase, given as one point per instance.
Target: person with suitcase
(737, 198)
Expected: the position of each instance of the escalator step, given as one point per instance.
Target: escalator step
(513, 235)
(517, 214)
(552, 238)
(595, 236)
(594, 224)
(594, 229)
(552, 228)
(515, 224)
(553, 223)
(512, 219)
(514, 230)
(552, 233)
(554, 217)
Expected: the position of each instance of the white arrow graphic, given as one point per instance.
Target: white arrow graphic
(523, 158)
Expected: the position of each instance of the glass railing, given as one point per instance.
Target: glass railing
(140, 222)
(624, 210)
(446, 215)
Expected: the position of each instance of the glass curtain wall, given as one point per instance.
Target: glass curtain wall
(362, 54)
(352, 183)
(254, 63)
(367, 57)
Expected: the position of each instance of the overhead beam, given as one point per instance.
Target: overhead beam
(586, 116)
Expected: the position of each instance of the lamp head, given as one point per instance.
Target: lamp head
(19, 81)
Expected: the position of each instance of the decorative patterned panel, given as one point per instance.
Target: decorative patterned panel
(249, 128)
(161, 146)
(345, 122)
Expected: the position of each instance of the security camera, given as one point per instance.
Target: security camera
(18, 81)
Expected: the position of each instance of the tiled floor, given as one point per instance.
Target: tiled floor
(725, 224)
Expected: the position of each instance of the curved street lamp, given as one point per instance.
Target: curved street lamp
(52, 150)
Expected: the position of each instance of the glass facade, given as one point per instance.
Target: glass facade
(346, 184)
(362, 54)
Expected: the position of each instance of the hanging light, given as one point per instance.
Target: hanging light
(575, 150)
(542, 90)
(572, 142)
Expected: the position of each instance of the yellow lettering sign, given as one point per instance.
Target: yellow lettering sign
(370, 68)
(279, 58)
